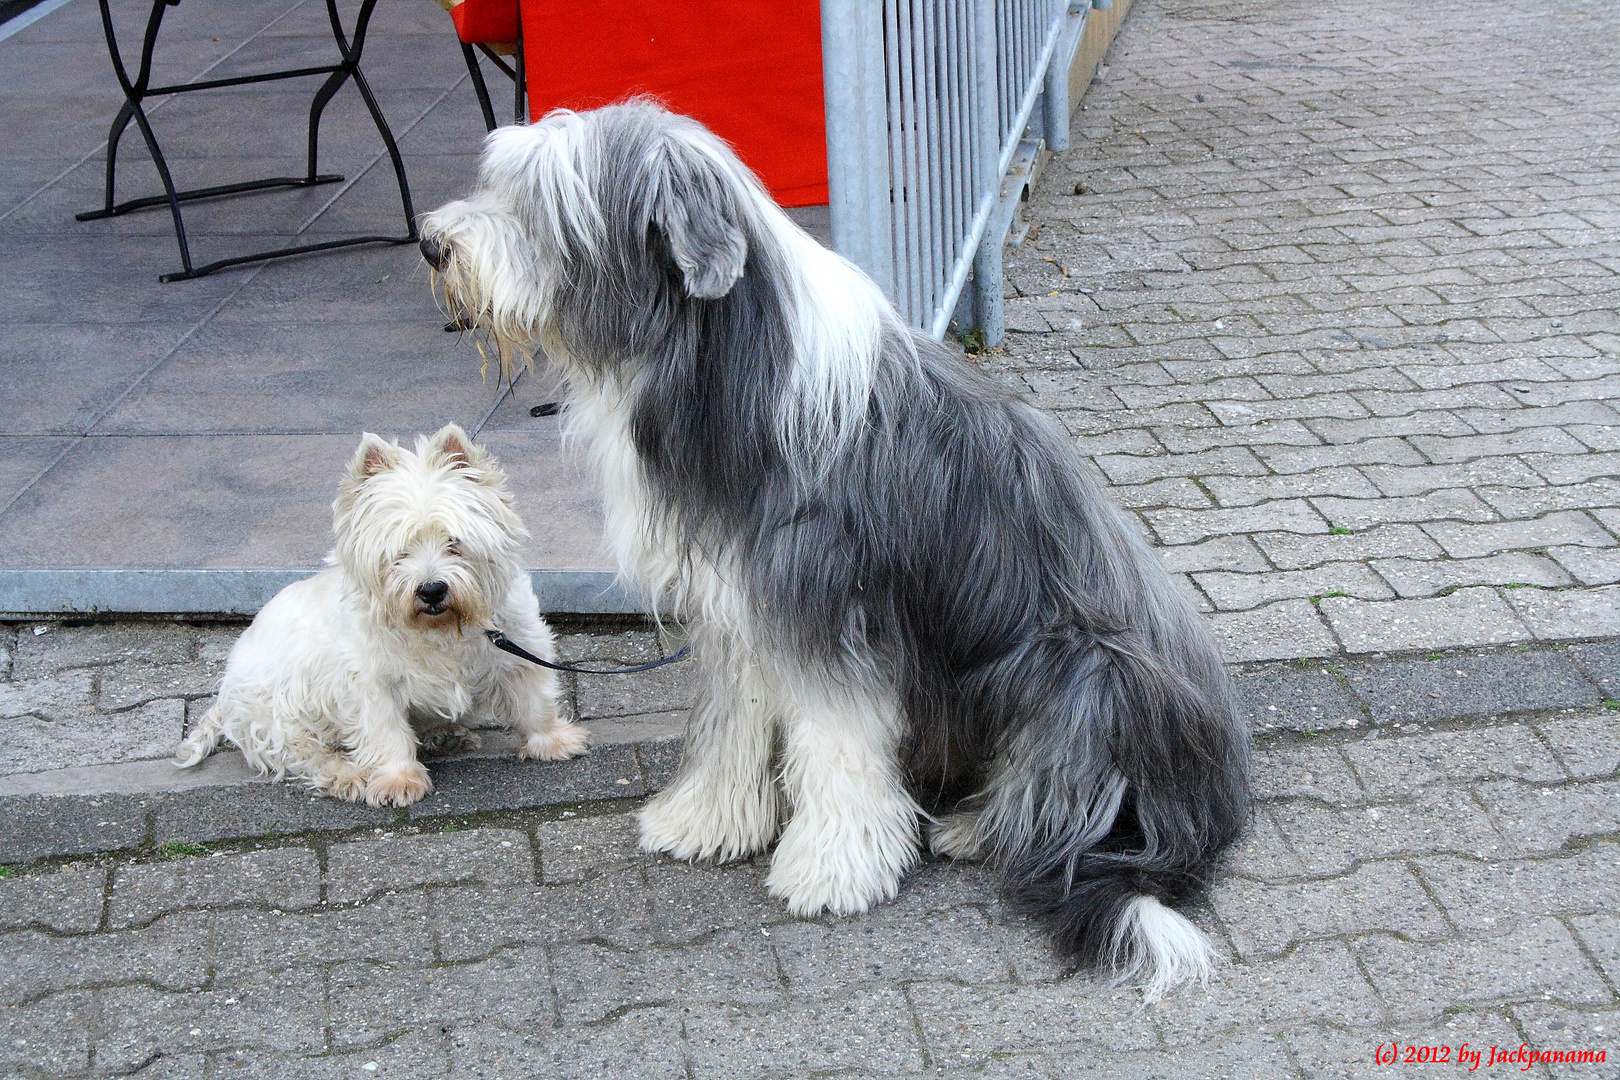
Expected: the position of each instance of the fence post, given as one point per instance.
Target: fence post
(858, 181)
(986, 181)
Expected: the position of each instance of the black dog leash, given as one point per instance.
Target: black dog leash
(507, 645)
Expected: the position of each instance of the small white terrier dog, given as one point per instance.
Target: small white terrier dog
(337, 672)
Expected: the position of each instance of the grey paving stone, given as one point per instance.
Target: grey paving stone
(1457, 686)
(1236, 553)
(573, 849)
(1536, 820)
(1445, 505)
(286, 878)
(283, 1012)
(172, 953)
(1317, 981)
(126, 685)
(1563, 614)
(1601, 933)
(1251, 1057)
(1554, 1028)
(253, 810)
(688, 900)
(62, 735)
(1329, 1054)
(393, 930)
(1467, 617)
(1286, 630)
(643, 1045)
(1480, 896)
(1290, 552)
(1264, 852)
(1419, 479)
(967, 1026)
(67, 900)
(1305, 772)
(64, 648)
(416, 1055)
(1419, 981)
(366, 868)
(1236, 592)
(1426, 577)
(662, 690)
(1246, 491)
(1175, 491)
(1534, 502)
(1602, 662)
(476, 922)
(50, 1036)
(1565, 527)
(1264, 920)
(871, 1029)
(1390, 767)
(1188, 526)
(471, 786)
(660, 760)
(1588, 745)
(823, 960)
(594, 982)
(1599, 566)
(1332, 840)
(367, 1005)
(35, 826)
(1313, 700)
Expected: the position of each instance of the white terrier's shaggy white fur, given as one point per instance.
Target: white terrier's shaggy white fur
(327, 681)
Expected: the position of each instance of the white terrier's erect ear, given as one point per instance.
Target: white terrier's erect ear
(454, 447)
(696, 208)
(376, 454)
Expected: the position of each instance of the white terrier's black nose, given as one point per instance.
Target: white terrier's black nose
(432, 593)
(435, 254)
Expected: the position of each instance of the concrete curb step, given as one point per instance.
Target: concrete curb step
(148, 803)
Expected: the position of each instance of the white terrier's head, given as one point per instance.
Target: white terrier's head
(428, 537)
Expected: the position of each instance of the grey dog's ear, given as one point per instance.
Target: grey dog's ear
(696, 208)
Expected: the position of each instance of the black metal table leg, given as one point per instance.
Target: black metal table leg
(138, 89)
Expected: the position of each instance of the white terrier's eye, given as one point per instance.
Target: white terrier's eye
(453, 548)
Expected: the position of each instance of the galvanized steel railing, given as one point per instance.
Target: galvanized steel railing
(930, 107)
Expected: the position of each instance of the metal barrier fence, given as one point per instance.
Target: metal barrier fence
(932, 107)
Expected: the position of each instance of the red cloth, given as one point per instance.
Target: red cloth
(748, 69)
(486, 22)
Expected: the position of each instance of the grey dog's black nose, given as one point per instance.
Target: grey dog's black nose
(436, 255)
(432, 593)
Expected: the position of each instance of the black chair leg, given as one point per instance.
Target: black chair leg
(479, 87)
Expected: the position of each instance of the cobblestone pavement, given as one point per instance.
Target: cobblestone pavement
(1330, 291)
(1413, 875)
(1354, 300)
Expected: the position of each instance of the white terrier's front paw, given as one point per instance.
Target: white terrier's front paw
(346, 782)
(565, 740)
(398, 785)
(691, 822)
(844, 873)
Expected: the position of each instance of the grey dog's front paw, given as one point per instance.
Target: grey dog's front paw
(447, 739)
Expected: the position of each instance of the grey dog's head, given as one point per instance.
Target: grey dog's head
(586, 231)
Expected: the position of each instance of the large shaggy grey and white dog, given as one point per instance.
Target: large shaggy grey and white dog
(910, 603)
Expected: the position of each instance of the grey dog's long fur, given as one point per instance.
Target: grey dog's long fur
(952, 552)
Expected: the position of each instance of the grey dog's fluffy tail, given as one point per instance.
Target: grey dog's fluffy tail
(1128, 818)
